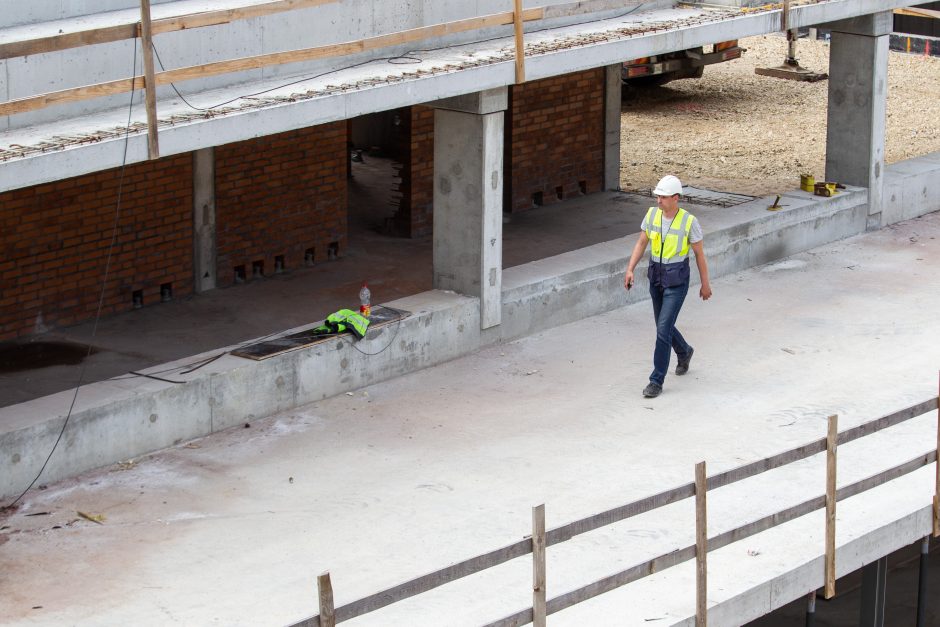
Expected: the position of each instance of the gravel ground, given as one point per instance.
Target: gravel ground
(735, 131)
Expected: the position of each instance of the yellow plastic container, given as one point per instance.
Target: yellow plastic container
(807, 183)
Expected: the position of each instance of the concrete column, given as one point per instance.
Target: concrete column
(468, 198)
(204, 242)
(612, 95)
(874, 578)
(858, 85)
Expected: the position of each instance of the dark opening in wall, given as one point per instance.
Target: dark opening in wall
(166, 292)
(257, 269)
(559, 192)
(137, 298)
(309, 256)
(582, 185)
(239, 274)
(332, 251)
(537, 199)
(278, 264)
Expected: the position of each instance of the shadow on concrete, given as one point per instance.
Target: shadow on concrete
(900, 596)
(394, 267)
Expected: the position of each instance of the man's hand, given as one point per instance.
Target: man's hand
(705, 291)
(628, 280)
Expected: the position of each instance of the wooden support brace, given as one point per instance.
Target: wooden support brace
(325, 588)
(75, 94)
(701, 547)
(146, 41)
(936, 496)
(785, 16)
(538, 566)
(520, 42)
(831, 443)
(119, 32)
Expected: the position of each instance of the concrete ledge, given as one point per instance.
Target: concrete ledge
(911, 189)
(124, 418)
(860, 542)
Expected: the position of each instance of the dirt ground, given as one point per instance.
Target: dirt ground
(735, 131)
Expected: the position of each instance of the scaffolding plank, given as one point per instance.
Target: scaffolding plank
(381, 316)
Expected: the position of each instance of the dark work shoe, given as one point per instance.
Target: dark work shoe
(683, 366)
(652, 390)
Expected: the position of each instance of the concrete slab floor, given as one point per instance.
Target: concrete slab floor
(394, 267)
(407, 476)
(900, 595)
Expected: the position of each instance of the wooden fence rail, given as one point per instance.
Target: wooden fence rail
(568, 531)
(131, 29)
(673, 558)
(206, 70)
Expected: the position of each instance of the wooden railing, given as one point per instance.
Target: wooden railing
(147, 28)
(542, 539)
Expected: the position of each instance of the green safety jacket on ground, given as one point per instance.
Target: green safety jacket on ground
(342, 321)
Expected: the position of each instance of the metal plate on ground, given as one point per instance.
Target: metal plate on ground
(697, 196)
(381, 316)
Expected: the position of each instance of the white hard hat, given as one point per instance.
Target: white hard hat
(668, 186)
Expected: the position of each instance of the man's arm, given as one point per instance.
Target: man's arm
(706, 290)
(638, 251)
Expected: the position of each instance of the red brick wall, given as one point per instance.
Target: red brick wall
(557, 134)
(55, 240)
(280, 195)
(415, 214)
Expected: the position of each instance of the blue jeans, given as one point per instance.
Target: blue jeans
(667, 301)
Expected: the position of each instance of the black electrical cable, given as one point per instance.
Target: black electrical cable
(387, 346)
(397, 60)
(407, 58)
(104, 283)
(195, 365)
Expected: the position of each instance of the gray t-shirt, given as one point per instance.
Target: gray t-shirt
(695, 235)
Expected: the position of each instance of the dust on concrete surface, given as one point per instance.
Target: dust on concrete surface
(739, 132)
(410, 475)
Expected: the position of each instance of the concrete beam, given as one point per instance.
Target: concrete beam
(381, 93)
(612, 95)
(872, 25)
(855, 134)
(480, 102)
(468, 203)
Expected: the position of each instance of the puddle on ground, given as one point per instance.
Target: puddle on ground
(33, 355)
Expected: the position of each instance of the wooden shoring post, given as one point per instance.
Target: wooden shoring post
(146, 43)
(538, 566)
(831, 443)
(325, 590)
(701, 547)
(75, 94)
(785, 17)
(936, 496)
(520, 42)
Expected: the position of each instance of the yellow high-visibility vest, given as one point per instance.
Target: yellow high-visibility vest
(669, 242)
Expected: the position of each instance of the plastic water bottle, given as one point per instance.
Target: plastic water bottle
(365, 299)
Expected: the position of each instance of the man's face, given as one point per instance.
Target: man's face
(668, 203)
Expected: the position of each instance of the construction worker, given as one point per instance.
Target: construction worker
(671, 231)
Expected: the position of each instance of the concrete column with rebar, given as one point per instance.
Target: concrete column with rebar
(204, 232)
(858, 84)
(612, 95)
(468, 198)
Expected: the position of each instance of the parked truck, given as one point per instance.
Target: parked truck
(662, 68)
